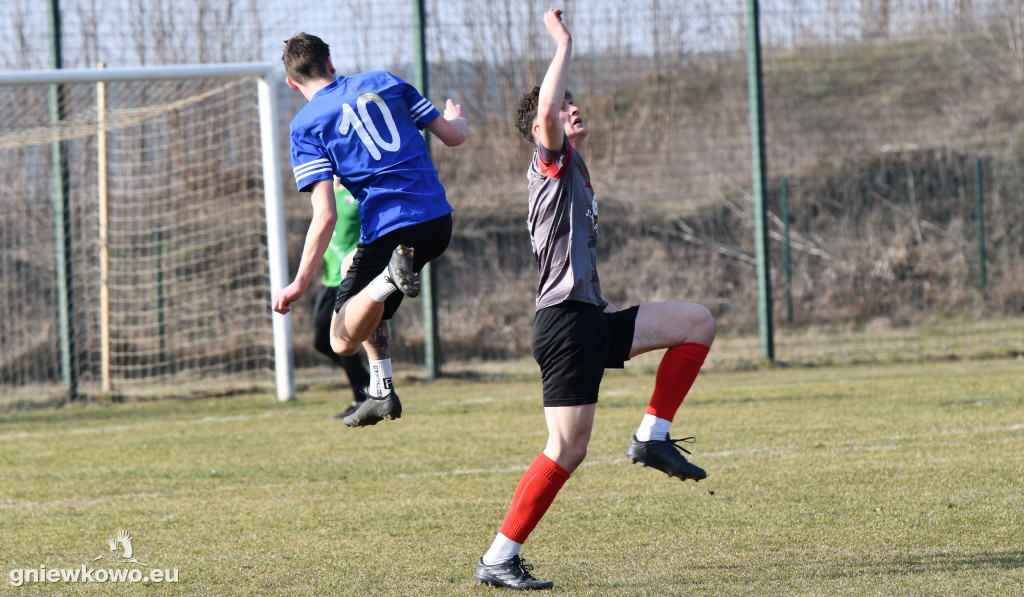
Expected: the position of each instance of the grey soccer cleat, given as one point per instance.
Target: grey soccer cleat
(360, 397)
(400, 270)
(513, 574)
(352, 408)
(374, 410)
(663, 455)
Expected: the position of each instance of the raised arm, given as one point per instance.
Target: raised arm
(453, 128)
(552, 89)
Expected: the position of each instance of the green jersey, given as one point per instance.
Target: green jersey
(344, 239)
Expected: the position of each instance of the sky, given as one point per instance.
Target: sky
(368, 34)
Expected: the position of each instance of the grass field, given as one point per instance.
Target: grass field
(888, 479)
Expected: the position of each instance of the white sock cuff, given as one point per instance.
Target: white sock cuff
(381, 287)
(651, 427)
(502, 550)
(380, 378)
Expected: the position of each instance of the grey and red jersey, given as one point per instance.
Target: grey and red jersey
(563, 227)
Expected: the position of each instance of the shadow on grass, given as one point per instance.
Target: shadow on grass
(939, 562)
(83, 409)
(29, 404)
(905, 564)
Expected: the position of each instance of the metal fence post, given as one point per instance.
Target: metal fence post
(758, 174)
(431, 360)
(980, 215)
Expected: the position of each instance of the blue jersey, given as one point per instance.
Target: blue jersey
(366, 129)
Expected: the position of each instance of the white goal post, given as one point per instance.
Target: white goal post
(200, 171)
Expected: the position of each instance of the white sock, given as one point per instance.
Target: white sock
(380, 378)
(381, 287)
(651, 427)
(502, 550)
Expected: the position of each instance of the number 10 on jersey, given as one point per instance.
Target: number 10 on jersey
(366, 129)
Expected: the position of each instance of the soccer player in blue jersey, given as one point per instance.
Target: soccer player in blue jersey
(365, 128)
(577, 333)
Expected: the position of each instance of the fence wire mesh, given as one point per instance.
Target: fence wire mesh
(880, 114)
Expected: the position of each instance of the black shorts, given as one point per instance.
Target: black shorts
(428, 240)
(574, 343)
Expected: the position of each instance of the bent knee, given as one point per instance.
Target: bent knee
(343, 347)
(704, 327)
(572, 457)
(694, 323)
(578, 455)
(567, 456)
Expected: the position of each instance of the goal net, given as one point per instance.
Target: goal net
(134, 233)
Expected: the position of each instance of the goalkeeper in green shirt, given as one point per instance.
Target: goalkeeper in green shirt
(343, 242)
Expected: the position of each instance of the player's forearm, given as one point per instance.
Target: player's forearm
(453, 128)
(552, 88)
(461, 126)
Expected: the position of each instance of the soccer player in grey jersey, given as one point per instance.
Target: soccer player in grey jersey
(577, 333)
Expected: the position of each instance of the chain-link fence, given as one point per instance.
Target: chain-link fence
(880, 115)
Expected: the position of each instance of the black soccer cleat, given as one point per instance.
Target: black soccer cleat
(373, 410)
(513, 574)
(401, 272)
(352, 408)
(663, 455)
(360, 397)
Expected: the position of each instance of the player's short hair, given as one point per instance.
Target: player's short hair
(526, 112)
(305, 58)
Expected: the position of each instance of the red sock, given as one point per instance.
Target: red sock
(676, 373)
(535, 492)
